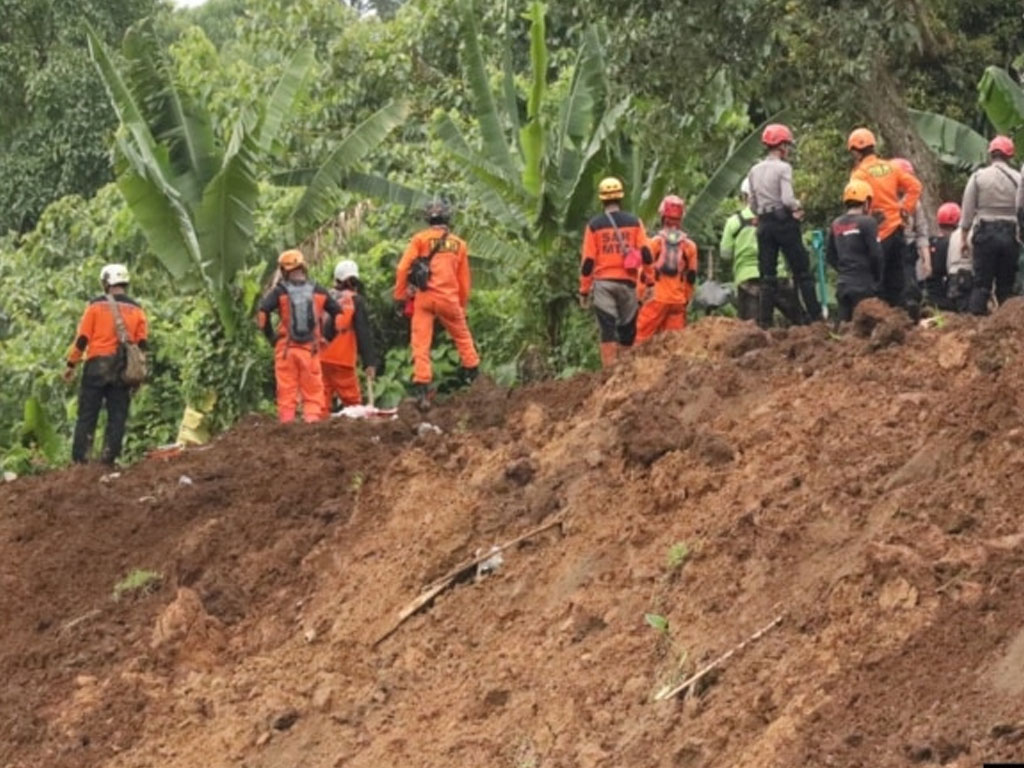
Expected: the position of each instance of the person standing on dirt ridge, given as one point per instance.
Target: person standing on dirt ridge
(853, 250)
(353, 335)
(739, 245)
(779, 214)
(298, 338)
(939, 286)
(666, 285)
(432, 283)
(917, 260)
(989, 207)
(99, 340)
(614, 250)
(894, 196)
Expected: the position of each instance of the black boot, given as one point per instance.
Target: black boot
(423, 396)
(469, 374)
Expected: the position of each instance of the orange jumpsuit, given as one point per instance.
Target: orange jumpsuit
(666, 309)
(296, 364)
(338, 359)
(445, 298)
(894, 192)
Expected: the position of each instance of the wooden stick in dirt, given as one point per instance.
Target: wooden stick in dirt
(437, 587)
(672, 692)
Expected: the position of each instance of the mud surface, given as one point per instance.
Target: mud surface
(864, 487)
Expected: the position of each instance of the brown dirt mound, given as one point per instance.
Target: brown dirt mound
(868, 493)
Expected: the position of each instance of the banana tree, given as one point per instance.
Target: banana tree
(1001, 98)
(194, 196)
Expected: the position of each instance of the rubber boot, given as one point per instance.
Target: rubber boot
(766, 307)
(422, 394)
(609, 351)
(469, 375)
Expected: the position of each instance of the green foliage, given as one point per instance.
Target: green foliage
(657, 622)
(138, 581)
(677, 555)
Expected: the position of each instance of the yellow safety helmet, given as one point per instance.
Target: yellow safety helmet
(291, 259)
(857, 191)
(611, 189)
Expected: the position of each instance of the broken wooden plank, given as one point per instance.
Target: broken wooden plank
(435, 588)
(668, 693)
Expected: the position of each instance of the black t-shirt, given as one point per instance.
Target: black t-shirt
(854, 252)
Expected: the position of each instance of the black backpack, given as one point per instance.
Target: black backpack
(419, 272)
(302, 325)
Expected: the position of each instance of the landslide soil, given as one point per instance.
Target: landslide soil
(865, 487)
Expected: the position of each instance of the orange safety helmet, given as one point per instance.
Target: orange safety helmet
(611, 189)
(861, 138)
(672, 207)
(290, 260)
(948, 215)
(1002, 145)
(775, 134)
(857, 191)
(904, 165)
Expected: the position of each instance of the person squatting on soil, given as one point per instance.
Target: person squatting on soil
(98, 339)
(739, 245)
(666, 285)
(353, 335)
(614, 250)
(945, 289)
(779, 213)
(894, 196)
(432, 283)
(853, 250)
(917, 263)
(298, 338)
(989, 208)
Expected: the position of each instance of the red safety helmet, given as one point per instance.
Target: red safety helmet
(672, 207)
(948, 215)
(1001, 144)
(904, 165)
(775, 134)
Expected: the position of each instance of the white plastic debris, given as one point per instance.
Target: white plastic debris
(110, 477)
(10, 477)
(425, 428)
(491, 564)
(184, 480)
(147, 499)
(366, 412)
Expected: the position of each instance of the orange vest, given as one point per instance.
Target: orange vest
(342, 349)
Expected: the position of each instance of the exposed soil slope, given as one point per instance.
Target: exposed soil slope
(867, 488)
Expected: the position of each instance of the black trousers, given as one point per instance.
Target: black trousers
(911, 290)
(848, 301)
(748, 300)
(995, 259)
(781, 232)
(100, 388)
(893, 269)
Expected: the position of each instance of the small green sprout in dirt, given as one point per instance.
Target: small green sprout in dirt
(678, 554)
(674, 670)
(138, 581)
(355, 484)
(658, 622)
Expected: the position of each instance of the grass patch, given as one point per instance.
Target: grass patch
(139, 581)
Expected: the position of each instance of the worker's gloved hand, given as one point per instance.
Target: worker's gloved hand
(584, 299)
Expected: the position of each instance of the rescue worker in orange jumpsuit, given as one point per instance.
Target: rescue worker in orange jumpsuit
(97, 340)
(433, 274)
(614, 251)
(894, 196)
(298, 338)
(353, 335)
(666, 285)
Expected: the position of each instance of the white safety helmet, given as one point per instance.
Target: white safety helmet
(114, 274)
(745, 187)
(345, 270)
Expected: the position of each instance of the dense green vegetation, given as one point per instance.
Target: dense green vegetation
(193, 145)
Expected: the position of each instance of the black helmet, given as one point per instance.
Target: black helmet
(438, 211)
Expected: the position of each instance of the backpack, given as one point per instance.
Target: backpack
(130, 367)
(419, 272)
(302, 323)
(669, 261)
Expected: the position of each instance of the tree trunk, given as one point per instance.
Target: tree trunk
(888, 111)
